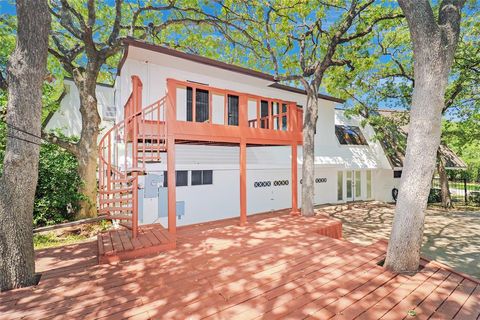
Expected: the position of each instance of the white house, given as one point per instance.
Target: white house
(216, 110)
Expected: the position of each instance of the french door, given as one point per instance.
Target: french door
(353, 185)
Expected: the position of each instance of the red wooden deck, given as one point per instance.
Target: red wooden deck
(118, 245)
(277, 267)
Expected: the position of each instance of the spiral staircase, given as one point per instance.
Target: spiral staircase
(124, 151)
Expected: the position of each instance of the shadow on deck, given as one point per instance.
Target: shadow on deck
(277, 267)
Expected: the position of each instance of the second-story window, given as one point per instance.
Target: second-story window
(189, 104)
(202, 108)
(284, 117)
(232, 110)
(264, 114)
(202, 105)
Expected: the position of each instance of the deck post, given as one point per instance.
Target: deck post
(171, 181)
(243, 183)
(171, 117)
(294, 211)
(293, 125)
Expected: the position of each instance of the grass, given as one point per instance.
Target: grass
(50, 239)
(68, 235)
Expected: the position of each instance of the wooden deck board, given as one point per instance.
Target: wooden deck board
(278, 267)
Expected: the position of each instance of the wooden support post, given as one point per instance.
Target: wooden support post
(294, 211)
(135, 205)
(243, 183)
(172, 198)
(293, 125)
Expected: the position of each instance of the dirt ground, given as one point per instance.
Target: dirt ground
(452, 237)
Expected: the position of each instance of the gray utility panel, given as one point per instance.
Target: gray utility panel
(153, 200)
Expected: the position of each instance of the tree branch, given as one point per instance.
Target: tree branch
(69, 146)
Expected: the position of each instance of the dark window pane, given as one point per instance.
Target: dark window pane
(165, 179)
(397, 173)
(196, 177)
(350, 135)
(201, 105)
(233, 110)
(182, 178)
(264, 114)
(284, 123)
(207, 176)
(189, 104)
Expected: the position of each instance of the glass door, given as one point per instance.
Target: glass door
(353, 185)
(349, 185)
(358, 185)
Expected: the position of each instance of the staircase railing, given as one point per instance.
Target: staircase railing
(124, 151)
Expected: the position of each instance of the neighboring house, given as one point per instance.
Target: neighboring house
(68, 119)
(220, 115)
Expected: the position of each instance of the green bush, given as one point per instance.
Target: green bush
(435, 196)
(57, 197)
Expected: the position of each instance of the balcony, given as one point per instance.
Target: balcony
(200, 113)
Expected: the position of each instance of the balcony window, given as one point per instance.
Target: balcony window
(232, 110)
(202, 108)
(189, 104)
(202, 105)
(264, 114)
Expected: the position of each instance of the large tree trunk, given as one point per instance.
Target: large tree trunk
(444, 187)
(308, 166)
(26, 70)
(87, 152)
(433, 47)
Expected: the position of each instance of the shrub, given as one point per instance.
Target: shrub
(57, 197)
(435, 196)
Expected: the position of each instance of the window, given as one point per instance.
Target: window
(109, 113)
(189, 104)
(397, 174)
(181, 178)
(233, 110)
(200, 177)
(202, 109)
(369, 184)
(350, 135)
(284, 117)
(340, 185)
(358, 184)
(202, 105)
(264, 114)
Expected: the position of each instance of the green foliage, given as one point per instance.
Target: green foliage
(56, 198)
(463, 137)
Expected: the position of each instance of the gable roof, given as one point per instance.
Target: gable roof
(215, 63)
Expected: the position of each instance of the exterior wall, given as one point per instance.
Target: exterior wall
(221, 199)
(68, 118)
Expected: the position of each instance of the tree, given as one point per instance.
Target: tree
(389, 83)
(87, 40)
(434, 42)
(304, 44)
(25, 74)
